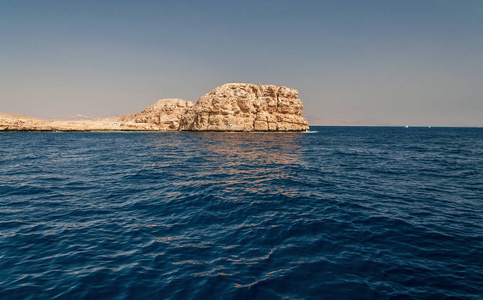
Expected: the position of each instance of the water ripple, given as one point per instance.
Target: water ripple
(371, 213)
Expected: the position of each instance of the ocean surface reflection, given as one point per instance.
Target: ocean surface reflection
(350, 213)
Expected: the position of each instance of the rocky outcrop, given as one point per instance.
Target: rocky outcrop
(20, 122)
(14, 122)
(246, 107)
(165, 114)
(230, 107)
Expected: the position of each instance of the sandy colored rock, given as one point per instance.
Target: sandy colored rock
(165, 114)
(231, 107)
(14, 122)
(246, 107)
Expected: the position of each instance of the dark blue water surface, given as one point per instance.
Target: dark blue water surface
(339, 213)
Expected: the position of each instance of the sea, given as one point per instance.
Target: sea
(331, 213)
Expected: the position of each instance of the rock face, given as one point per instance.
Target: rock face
(230, 107)
(166, 114)
(246, 107)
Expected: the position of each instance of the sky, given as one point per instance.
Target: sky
(387, 62)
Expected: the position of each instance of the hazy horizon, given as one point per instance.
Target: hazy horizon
(418, 63)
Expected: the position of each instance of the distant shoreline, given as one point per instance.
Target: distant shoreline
(227, 131)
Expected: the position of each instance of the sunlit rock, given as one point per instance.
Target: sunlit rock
(246, 107)
(165, 114)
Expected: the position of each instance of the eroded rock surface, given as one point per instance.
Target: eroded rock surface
(246, 107)
(230, 107)
(165, 114)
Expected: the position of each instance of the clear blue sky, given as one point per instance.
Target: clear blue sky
(389, 62)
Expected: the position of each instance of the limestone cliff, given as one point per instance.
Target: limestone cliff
(246, 107)
(165, 114)
(230, 107)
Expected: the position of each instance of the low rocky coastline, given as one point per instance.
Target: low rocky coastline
(231, 107)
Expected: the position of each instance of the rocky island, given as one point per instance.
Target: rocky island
(230, 107)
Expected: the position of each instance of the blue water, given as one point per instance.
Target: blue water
(338, 213)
